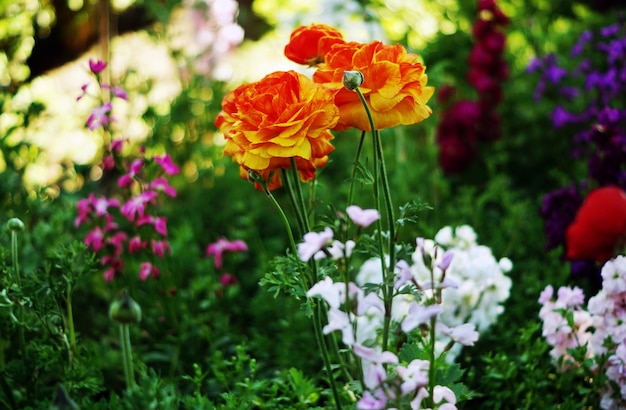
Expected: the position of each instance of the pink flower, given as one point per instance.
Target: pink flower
(160, 247)
(95, 239)
(136, 244)
(96, 66)
(116, 91)
(116, 145)
(465, 334)
(339, 320)
(314, 242)
(99, 116)
(374, 371)
(222, 245)
(136, 206)
(159, 223)
(362, 217)
(146, 269)
(117, 240)
(414, 376)
(369, 401)
(84, 210)
(228, 279)
(160, 184)
(328, 290)
(165, 161)
(127, 179)
(84, 91)
(102, 204)
(419, 315)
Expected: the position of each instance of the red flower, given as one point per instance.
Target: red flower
(600, 226)
(309, 44)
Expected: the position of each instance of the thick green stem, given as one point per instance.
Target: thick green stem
(18, 281)
(127, 356)
(299, 196)
(294, 202)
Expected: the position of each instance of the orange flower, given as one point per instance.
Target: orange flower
(599, 229)
(394, 87)
(282, 116)
(309, 44)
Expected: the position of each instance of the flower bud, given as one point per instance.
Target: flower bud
(254, 176)
(124, 309)
(352, 79)
(15, 224)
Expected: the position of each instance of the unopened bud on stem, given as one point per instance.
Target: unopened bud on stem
(352, 79)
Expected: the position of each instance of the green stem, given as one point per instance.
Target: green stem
(292, 241)
(354, 167)
(127, 356)
(294, 202)
(380, 176)
(70, 320)
(18, 281)
(321, 342)
(299, 196)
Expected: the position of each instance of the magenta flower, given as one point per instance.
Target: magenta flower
(165, 161)
(84, 210)
(119, 92)
(96, 66)
(83, 91)
(362, 217)
(228, 279)
(222, 245)
(313, 243)
(136, 244)
(160, 247)
(99, 116)
(146, 269)
(127, 179)
(117, 240)
(136, 206)
(102, 204)
(116, 145)
(95, 239)
(160, 184)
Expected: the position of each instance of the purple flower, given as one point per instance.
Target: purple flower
(369, 401)
(558, 211)
(99, 116)
(583, 40)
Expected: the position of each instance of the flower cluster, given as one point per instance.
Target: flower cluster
(286, 118)
(385, 378)
(599, 331)
(477, 284)
(465, 122)
(127, 222)
(454, 292)
(599, 138)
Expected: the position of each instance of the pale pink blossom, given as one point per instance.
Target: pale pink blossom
(362, 217)
(314, 242)
(222, 245)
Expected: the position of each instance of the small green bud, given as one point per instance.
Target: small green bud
(254, 176)
(15, 224)
(124, 309)
(352, 79)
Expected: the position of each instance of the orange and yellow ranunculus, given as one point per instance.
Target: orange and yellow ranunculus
(309, 44)
(284, 115)
(394, 87)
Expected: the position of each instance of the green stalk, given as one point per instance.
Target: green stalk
(354, 167)
(127, 356)
(297, 200)
(70, 320)
(299, 196)
(18, 281)
(294, 202)
(380, 176)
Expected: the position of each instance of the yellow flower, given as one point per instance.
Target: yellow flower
(285, 115)
(394, 84)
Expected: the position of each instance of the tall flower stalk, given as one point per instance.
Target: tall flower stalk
(16, 225)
